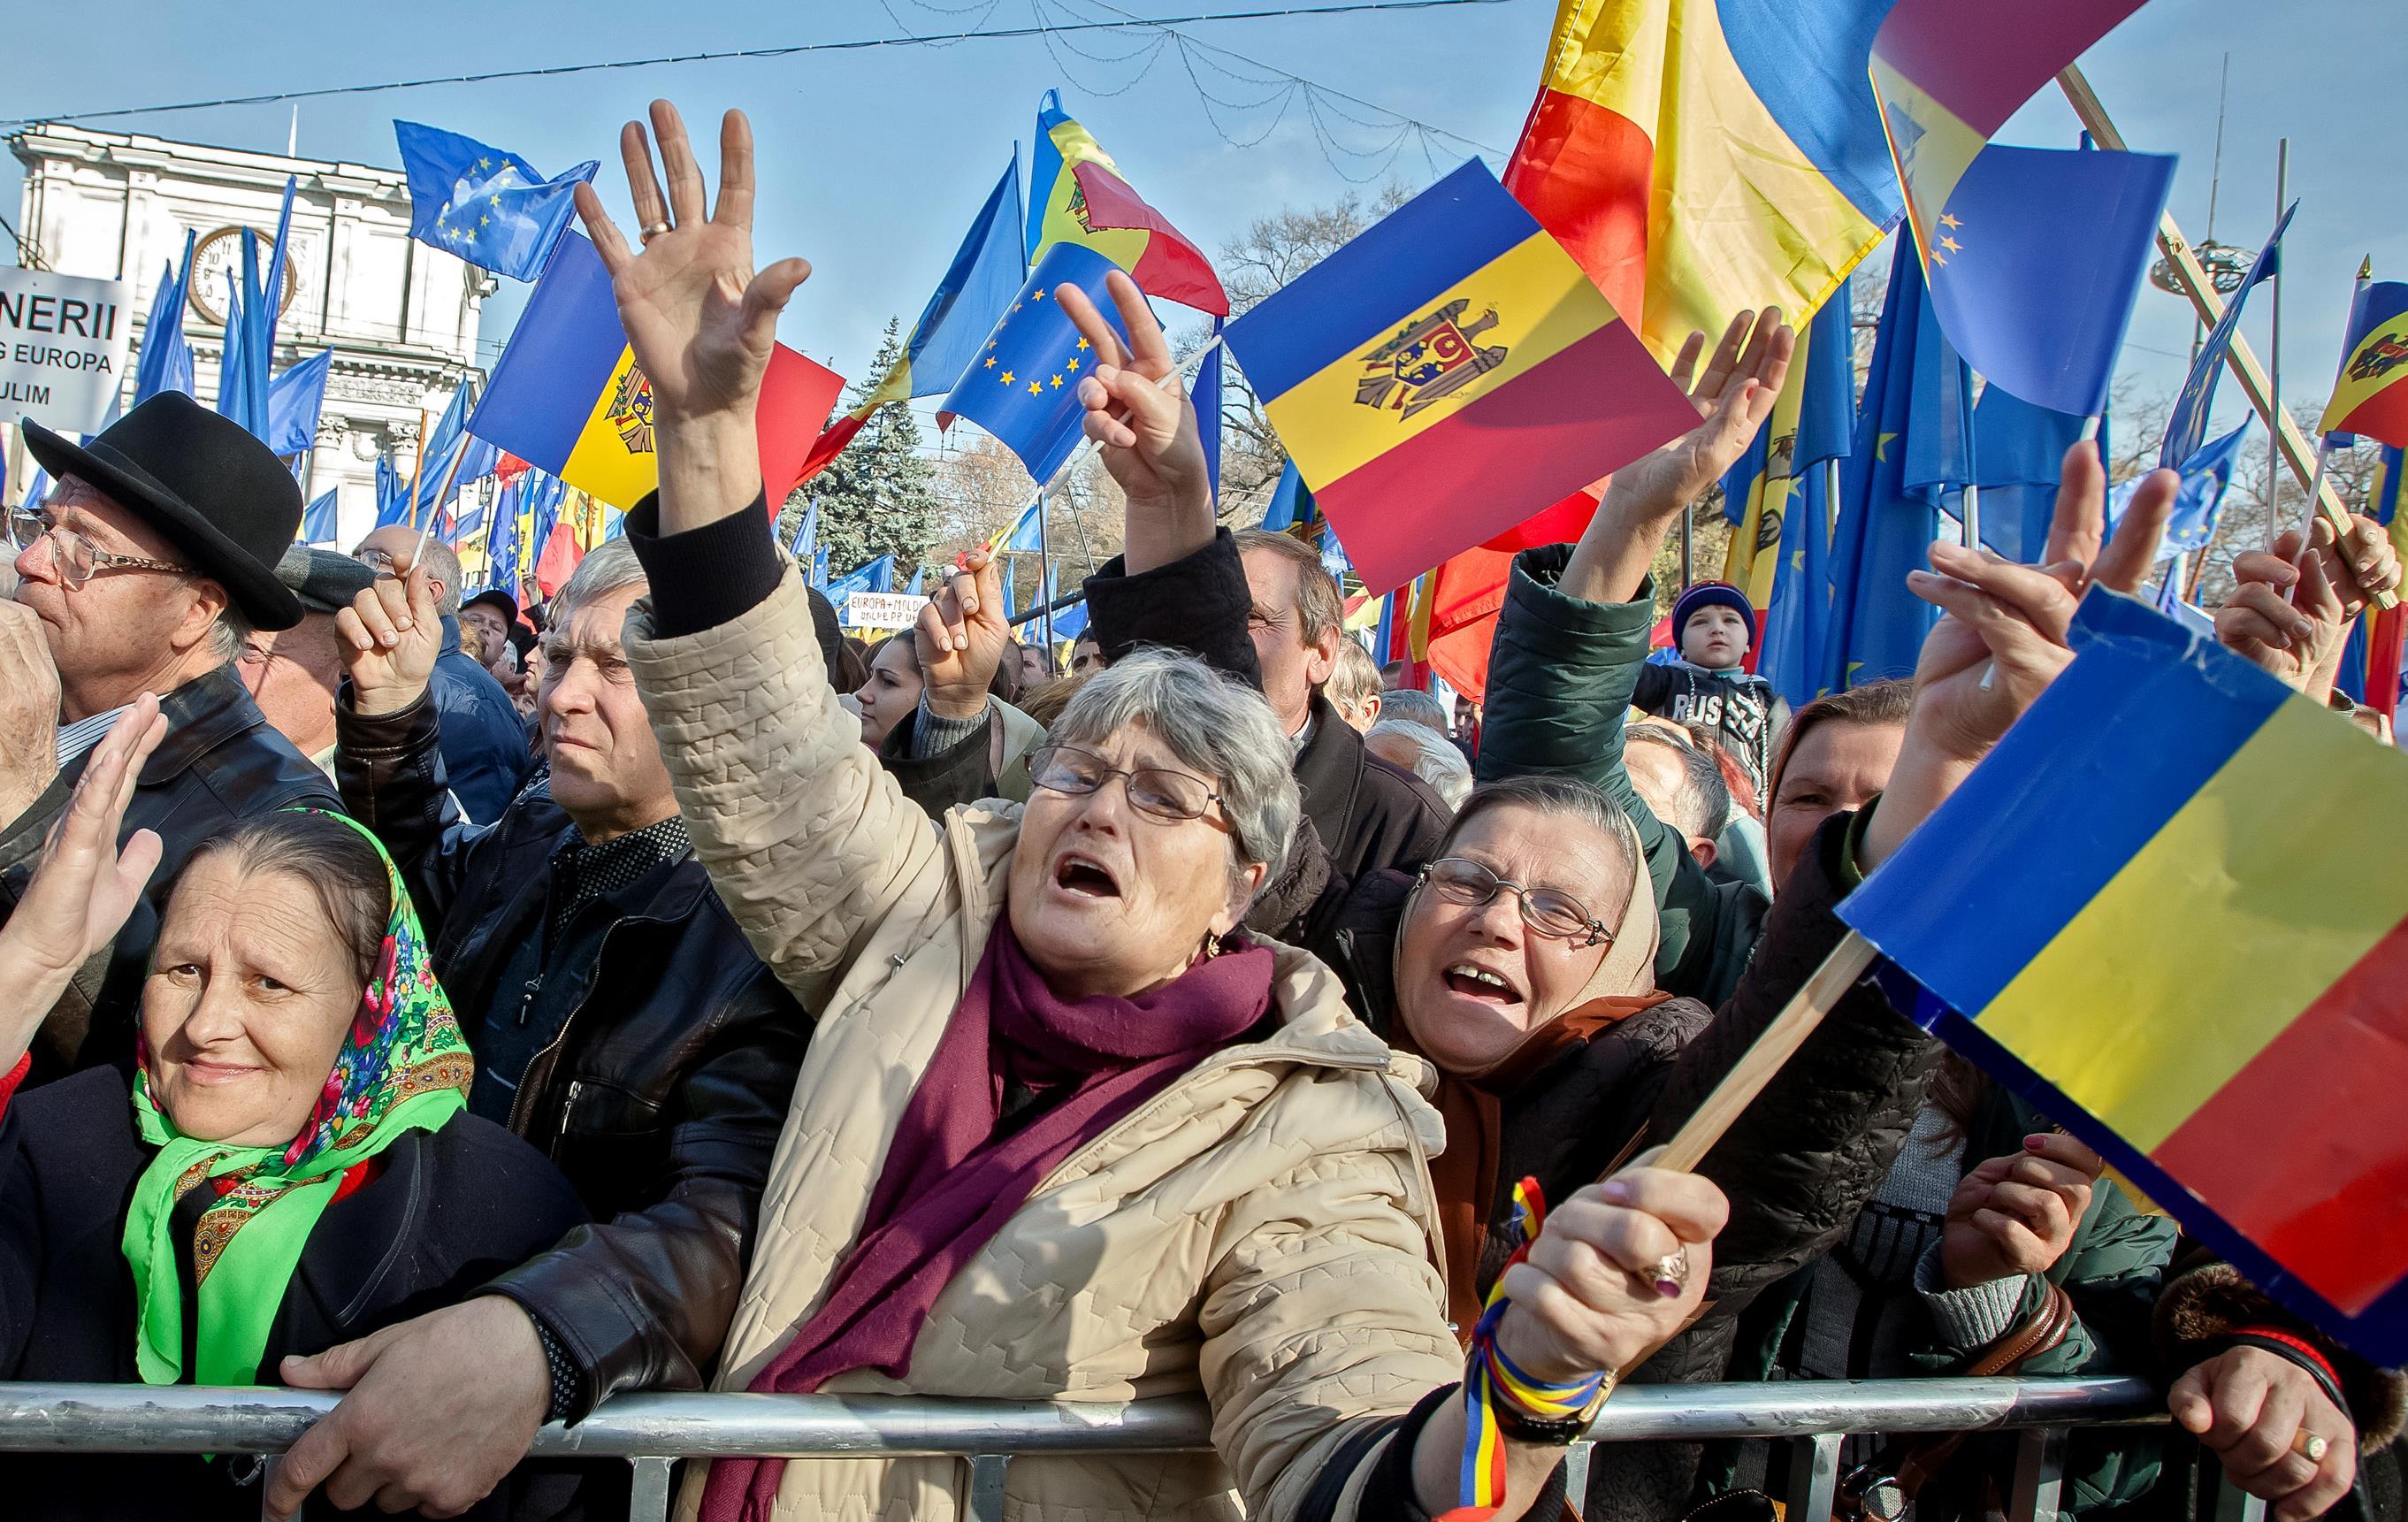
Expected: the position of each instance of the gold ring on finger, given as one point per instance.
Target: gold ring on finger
(1672, 1273)
(2311, 1446)
(651, 230)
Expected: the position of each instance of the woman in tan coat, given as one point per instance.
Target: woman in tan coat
(1064, 1132)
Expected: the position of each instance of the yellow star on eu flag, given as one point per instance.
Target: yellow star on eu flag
(1951, 245)
(1083, 343)
(990, 359)
(1008, 377)
(1035, 390)
(1074, 362)
(1950, 222)
(1058, 382)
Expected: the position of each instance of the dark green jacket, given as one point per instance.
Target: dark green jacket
(2113, 1270)
(1560, 676)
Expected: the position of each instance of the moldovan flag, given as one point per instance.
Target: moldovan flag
(568, 398)
(2371, 395)
(1076, 194)
(2171, 908)
(1446, 375)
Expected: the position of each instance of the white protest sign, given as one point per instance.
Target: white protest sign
(62, 344)
(883, 610)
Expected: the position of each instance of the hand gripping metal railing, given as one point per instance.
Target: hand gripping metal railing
(652, 1431)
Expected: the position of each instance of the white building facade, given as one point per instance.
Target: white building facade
(400, 317)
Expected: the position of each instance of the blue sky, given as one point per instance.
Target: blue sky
(873, 160)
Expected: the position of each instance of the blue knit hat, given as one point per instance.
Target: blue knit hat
(1711, 595)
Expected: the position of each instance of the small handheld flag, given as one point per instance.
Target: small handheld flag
(1024, 388)
(2186, 429)
(2187, 956)
(2371, 397)
(482, 205)
(1446, 375)
(569, 397)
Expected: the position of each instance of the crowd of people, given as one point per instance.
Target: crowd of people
(483, 1025)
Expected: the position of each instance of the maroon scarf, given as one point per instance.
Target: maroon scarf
(950, 1183)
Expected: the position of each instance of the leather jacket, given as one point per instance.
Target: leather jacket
(221, 762)
(662, 1096)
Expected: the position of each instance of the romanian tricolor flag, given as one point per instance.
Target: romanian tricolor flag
(1076, 194)
(2371, 397)
(1447, 374)
(2171, 908)
(568, 398)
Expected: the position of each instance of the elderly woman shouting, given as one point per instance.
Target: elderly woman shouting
(287, 1164)
(1064, 1133)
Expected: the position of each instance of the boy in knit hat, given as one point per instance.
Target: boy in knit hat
(1712, 626)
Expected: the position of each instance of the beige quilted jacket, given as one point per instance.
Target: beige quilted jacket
(1262, 1231)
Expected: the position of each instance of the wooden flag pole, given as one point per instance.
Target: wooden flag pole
(441, 496)
(417, 463)
(2291, 443)
(1780, 1041)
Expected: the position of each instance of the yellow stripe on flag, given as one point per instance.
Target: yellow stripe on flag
(614, 456)
(1929, 166)
(1540, 303)
(2358, 383)
(1058, 223)
(2218, 933)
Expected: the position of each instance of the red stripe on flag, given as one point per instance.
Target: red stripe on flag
(2300, 1150)
(1405, 509)
(1170, 268)
(796, 396)
(1585, 173)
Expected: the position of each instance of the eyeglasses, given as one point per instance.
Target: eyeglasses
(77, 559)
(1174, 796)
(1548, 912)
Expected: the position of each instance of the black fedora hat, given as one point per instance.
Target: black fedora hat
(204, 481)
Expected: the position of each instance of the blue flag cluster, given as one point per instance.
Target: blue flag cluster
(1024, 386)
(482, 205)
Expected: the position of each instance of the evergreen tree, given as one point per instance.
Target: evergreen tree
(879, 495)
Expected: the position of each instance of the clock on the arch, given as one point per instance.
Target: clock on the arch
(217, 256)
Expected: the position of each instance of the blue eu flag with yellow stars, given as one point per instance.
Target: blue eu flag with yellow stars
(488, 207)
(1024, 386)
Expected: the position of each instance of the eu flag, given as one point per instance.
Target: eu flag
(2035, 263)
(2020, 451)
(318, 525)
(1024, 388)
(487, 207)
(294, 399)
(2204, 477)
(1795, 621)
(167, 359)
(1884, 529)
(2186, 429)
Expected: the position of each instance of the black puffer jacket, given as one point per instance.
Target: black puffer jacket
(662, 1099)
(1797, 1164)
(220, 763)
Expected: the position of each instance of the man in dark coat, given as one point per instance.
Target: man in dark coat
(145, 571)
(620, 1024)
(484, 744)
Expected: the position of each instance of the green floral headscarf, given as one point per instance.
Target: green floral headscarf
(403, 1067)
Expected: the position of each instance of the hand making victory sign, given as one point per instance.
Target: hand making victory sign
(702, 321)
(1140, 418)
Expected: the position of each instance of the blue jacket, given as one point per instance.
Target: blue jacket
(484, 745)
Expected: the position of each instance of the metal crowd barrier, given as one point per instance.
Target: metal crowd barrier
(652, 1432)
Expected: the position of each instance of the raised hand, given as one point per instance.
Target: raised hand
(1144, 425)
(2262, 1415)
(2003, 640)
(87, 884)
(961, 638)
(389, 638)
(1590, 1295)
(2292, 613)
(2017, 1214)
(2004, 637)
(1742, 382)
(1733, 397)
(702, 321)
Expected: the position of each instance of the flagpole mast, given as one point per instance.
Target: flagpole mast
(2324, 440)
(2288, 438)
(1045, 570)
(2274, 360)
